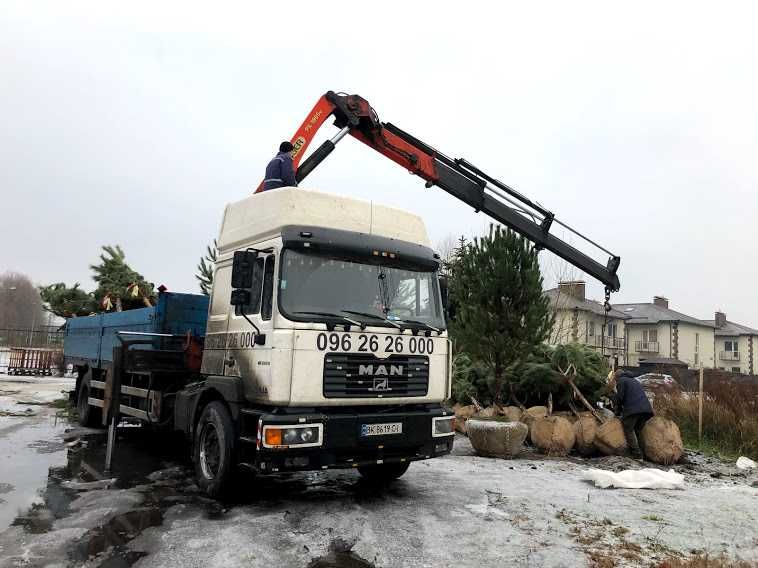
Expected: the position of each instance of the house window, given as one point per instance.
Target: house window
(611, 329)
(649, 335)
(735, 369)
(589, 328)
(730, 346)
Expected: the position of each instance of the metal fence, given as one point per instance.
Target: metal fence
(30, 351)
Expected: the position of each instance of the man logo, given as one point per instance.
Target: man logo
(380, 370)
(381, 385)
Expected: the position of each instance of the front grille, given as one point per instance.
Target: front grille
(353, 375)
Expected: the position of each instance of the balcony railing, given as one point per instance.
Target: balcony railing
(609, 342)
(729, 355)
(646, 346)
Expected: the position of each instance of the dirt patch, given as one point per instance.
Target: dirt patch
(608, 545)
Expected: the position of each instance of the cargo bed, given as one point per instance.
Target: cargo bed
(90, 340)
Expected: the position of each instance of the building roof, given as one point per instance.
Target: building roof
(563, 300)
(650, 313)
(731, 329)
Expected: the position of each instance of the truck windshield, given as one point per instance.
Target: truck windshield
(312, 285)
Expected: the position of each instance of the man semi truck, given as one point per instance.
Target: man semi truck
(324, 343)
(324, 346)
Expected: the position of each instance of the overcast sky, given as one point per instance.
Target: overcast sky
(635, 123)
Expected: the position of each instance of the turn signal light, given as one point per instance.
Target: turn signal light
(273, 437)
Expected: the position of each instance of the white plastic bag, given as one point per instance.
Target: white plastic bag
(635, 478)
(746, 463)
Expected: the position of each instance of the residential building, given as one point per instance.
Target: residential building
(736, 345)
(653, 330)
(579, 320)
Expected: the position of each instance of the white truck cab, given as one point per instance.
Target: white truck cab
(325, 340)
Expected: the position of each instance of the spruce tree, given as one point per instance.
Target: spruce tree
(204, 273)
(120, 287)
(501, 315)
(67, 302)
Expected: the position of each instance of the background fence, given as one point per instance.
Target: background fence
(40, 338)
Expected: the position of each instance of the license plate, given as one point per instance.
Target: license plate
(382, 429)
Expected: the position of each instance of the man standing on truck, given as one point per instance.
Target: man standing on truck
(632, 404)
(280, 172)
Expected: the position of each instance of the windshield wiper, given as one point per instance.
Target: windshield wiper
(438, 330)
(330, 315)
(369, 315)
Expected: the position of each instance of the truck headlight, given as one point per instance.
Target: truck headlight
(443, 426)
(299, 436)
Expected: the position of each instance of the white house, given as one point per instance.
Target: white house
(653, 331)
(735, 345)
(579, 320)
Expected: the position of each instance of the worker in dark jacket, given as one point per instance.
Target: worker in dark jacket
(280, 172)
(632, 404)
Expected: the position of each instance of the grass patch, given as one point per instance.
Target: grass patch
(705, 561)
(730, 427)
(653, 518)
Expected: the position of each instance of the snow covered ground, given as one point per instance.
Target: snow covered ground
(461, 510)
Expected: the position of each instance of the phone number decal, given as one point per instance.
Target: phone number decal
(371, 343)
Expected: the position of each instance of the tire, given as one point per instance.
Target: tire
(214, 450)
(89, 416)
(384, 473)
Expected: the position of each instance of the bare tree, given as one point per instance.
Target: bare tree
(20, 303)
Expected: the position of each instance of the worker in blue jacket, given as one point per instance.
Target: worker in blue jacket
(280, 172)
(632, 404)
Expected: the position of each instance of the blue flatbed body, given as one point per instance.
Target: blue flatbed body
(90, 340)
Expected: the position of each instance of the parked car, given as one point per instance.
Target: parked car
(655, 383)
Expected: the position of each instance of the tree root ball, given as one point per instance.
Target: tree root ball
(554, 435)
(512, 413)
(610, 439)
(585, 429)
(662, 441)
(496, 438)
(533, 413)
(462, 414)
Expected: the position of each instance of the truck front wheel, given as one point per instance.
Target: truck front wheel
(214, 450)
(383, 473)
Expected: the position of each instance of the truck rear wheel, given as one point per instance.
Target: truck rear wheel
(89, 416)
(383, 473)
(214, 450)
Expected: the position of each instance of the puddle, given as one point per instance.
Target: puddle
(29, 448)
(340, 560)
(114, 535)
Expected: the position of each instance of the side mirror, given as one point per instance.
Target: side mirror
(240, 297)
(443, 291)
(242, 269)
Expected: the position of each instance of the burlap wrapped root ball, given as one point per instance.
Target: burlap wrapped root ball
(462, 414)
(512, 413)
(662, 441)
(488, 412)
(496, 438)
(553, 435)
(533, 413)
(585, 430)
(610, 439)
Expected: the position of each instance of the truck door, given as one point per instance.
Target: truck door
(214, 352)
(244, 357)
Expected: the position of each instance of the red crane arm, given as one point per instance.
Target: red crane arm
(353, 115)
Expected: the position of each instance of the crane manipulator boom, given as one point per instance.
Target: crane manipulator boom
(353, 115)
